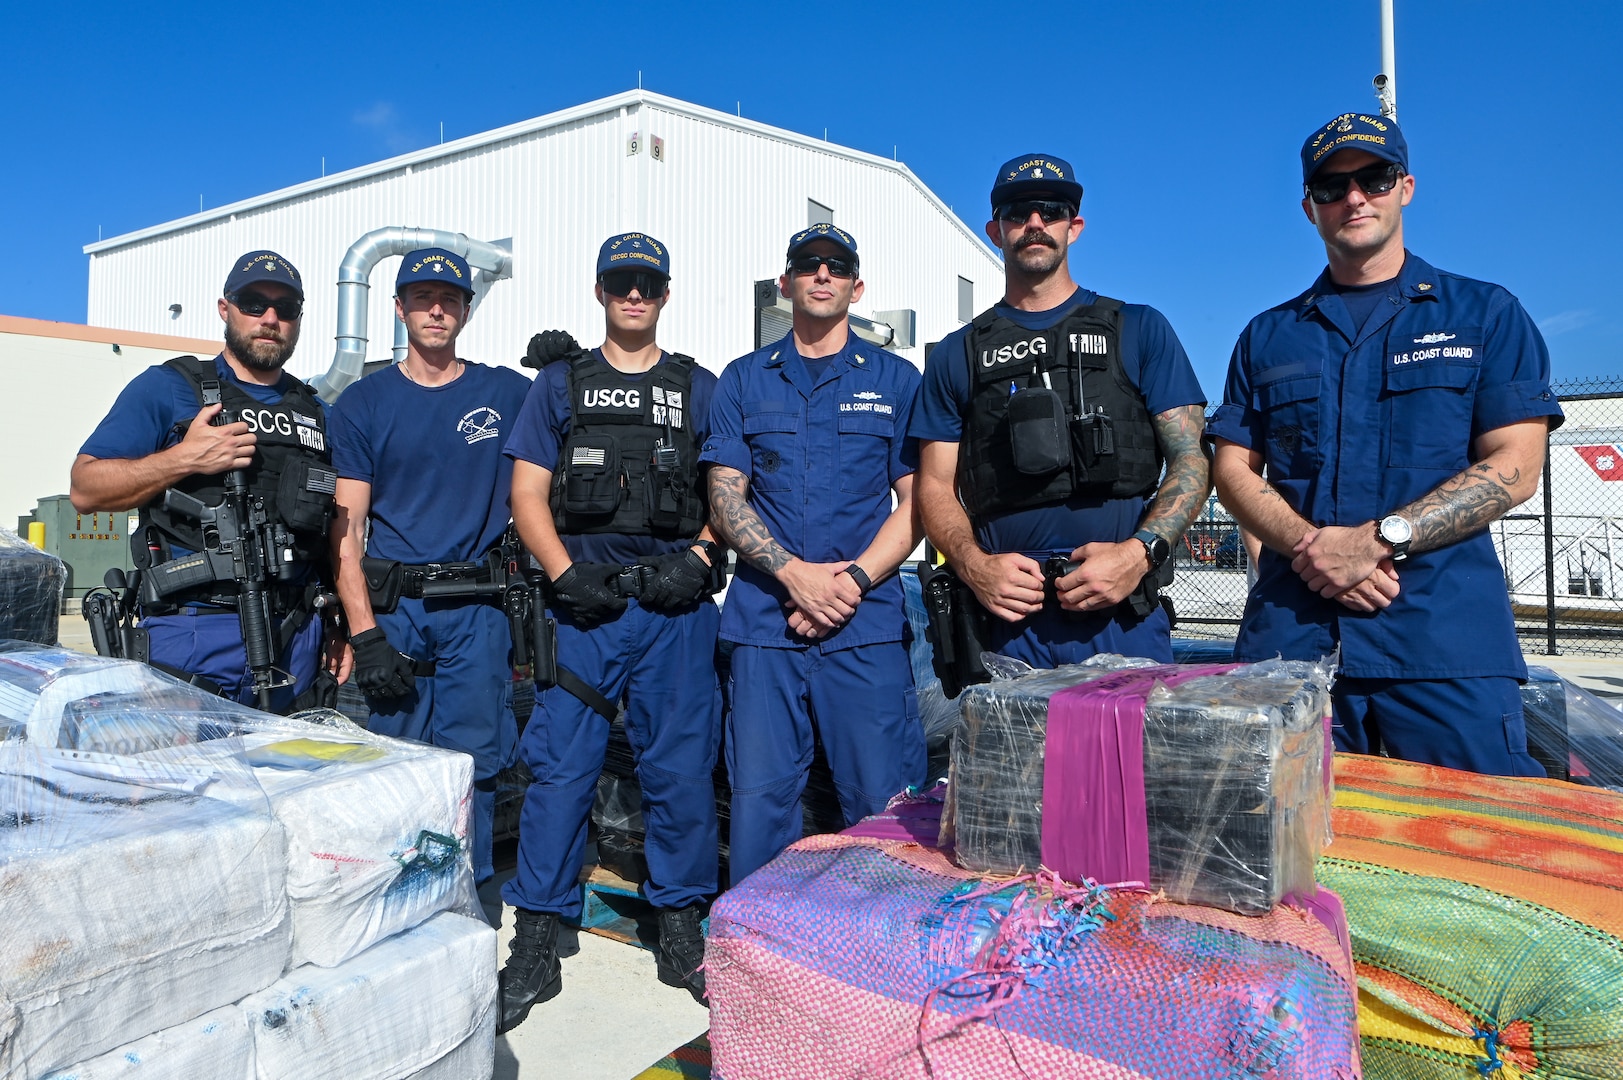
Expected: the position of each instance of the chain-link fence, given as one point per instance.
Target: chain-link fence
(1562, 550)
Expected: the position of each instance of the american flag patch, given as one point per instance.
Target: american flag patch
(588, 455)
(1089, 343)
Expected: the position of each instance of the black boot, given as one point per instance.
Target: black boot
(681, 950)
(532, 973)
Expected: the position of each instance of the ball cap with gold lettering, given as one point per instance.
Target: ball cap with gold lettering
(1354, 131)
(823, 230)
(257, 266)
(1035, 174)
(633, 251)
(434, 264)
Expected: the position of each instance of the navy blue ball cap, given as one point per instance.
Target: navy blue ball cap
(1355, 131)
(257, 266)
(434, 264)
(1035, 174)
(823, 230)
(633, 251)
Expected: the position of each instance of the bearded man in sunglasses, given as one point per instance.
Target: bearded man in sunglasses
(1396, 411)
(607, 495)
(811, 482)
(184, 425)
(1061, 451)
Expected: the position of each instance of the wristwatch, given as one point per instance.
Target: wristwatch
(1397, 531)
(709, 547)
(860, 576)
(1154, 546)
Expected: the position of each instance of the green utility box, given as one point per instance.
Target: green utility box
(89, 544)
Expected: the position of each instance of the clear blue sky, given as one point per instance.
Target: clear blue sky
(1183, 119)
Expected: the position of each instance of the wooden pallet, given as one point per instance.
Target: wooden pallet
(614, 909)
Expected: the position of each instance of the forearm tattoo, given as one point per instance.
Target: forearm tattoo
(1461, 505)
(1188, 478)
(740, 525)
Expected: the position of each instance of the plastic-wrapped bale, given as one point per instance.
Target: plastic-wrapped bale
(421, 1004)
(129, 902)
(38, 684)
(849, 956)
(377, 830)
(1487, 921)
(214, 1046)
(1574, 734)
(31, 584)
(1205, 781)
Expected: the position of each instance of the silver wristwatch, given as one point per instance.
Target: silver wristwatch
(1397, 531)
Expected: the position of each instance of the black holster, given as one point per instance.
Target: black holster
(956, 631)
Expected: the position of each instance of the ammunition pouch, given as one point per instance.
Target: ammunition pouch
(1037, 439)
(594, 481)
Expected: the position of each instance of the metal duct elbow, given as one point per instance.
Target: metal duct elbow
(492, 261)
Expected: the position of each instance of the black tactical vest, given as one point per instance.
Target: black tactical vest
(630, 464)
(1035, 433)
(291, 470)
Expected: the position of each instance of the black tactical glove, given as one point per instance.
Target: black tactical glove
(547, 346)
(679, 579)
(381, 670)
(583, 591)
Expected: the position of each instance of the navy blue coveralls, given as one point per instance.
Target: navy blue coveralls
(821, 455)
(1354, 423)
(663, 663)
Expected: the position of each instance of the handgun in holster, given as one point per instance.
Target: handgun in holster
(956, 629)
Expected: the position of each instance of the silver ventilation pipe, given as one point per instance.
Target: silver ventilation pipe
(491, 262)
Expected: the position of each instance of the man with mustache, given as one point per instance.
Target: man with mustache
(1397, 412)
(1060, 443)
(161, 434)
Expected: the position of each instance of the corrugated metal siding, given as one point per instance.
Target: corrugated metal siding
(725, 200)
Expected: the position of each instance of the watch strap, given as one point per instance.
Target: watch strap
(860, 576)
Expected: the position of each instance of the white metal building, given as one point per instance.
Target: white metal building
(722, 192)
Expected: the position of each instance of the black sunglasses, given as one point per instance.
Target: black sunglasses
(838, 265)
(1372, 180)
(622, 282)
(1050, 210)
(254, 305)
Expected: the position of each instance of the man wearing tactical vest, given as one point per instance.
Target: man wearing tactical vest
(418, 449)
(607, 496)
(1045, 426)
(189, 426)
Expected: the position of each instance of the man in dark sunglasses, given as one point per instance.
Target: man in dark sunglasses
(1396, 412)
(811, 482)
(607, 494)
(1061, 455)
(184, 425)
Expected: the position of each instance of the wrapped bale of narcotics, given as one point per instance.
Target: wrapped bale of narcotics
(850, 956)
(377, 828)
(421, 1004)
(1574, 734)
(31, 583)
(214, 1046)
(132, 899)
(1487, 921)
(1206, 781)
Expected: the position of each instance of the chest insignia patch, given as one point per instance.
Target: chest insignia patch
(480, 424)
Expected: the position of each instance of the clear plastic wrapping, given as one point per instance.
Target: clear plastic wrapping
(1575, 735)
(31, 583)
(164, 852)
(1234, 784)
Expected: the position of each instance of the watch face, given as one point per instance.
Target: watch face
(1396, 530)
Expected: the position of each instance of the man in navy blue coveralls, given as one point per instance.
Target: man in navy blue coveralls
(1116, 537)
(418, 449)
(157, 434)
(808, 443)
(1396, 411)
(630, 593)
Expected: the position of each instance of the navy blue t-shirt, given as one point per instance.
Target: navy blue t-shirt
(433, 455)
(1362, 300)
(544, 425)
(1154, 361)
(142, 421)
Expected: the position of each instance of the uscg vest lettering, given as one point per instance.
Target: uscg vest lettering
(618, 398)
(1019, 350)
(267, 421)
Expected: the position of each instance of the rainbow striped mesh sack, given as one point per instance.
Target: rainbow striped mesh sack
(853, 957)
(1487, 921)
